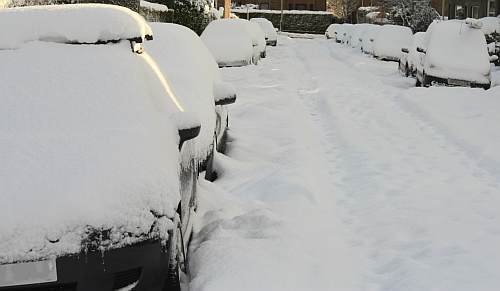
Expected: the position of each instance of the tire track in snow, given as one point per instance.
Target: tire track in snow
(400, 263)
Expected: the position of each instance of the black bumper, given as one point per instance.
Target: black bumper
(429, 80)
(145, 263)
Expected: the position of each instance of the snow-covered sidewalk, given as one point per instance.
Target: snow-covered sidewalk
(341, 176)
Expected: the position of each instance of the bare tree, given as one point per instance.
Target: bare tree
(344, 8)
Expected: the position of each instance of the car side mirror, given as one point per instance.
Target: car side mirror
(405, 50)
(493, 58)
(224, 93)
(188, 126)
(421, 50)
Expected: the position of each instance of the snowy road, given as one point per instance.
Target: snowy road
(342, 176)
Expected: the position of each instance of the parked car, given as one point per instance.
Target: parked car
(358, 31)
(230, 42)
(368, 38)
(269, 30)
(195, 78)
(97, 176)
(259, 37)
(331, 31)
(390, 40)
(409, 55)
(491, 30)
(344, 33)
(456, 55)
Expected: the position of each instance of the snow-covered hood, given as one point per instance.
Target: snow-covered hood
(86, 144)
(457, 51)
(72, 23)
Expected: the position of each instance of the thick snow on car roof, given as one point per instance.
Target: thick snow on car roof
(74, 23)
(229, 40)
(191, 68)
(458, 51)
(85, 141)
(391, 39)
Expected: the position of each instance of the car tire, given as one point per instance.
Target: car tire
(210, 173)
(418, 83)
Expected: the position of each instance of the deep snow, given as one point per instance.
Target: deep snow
(340, 175)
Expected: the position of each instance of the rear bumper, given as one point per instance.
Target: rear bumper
(241, 63)
(438, 80)
(272, 42)
(144, 264)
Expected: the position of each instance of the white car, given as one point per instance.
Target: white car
(230, 42)
(456, 55)
(194, 76)
(390, 40)
(345, 33)
(95, 166)
(357, 33)
(410, 56)
(269, 30)
(368, 38)
(258, 37)
(331, 31)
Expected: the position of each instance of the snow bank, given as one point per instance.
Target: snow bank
(154, 6)
(86, 143)
(456, 50)
(469, 115)
(191, 70)
(229, 41)
(75, 23)
(390, 40)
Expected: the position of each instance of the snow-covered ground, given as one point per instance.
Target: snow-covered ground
(340, 175)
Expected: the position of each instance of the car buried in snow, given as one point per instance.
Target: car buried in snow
(195, 78)
(258, 37)
(409, 55)
(231, 42)
(98, 178)
(454, 54)
(331, 31)
(390, 40)
(270, 31)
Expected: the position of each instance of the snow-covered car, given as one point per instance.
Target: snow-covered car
(491, 30)
(98, 182)
(456, 55)
(269, 30)
(409, 55)
(368, 38)
(259, 37)
(195, 78)
(344, 33)
(331, 31)
(390, 40)
(357, 33)
(230, 42)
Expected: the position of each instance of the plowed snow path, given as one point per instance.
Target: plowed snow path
(334, 181)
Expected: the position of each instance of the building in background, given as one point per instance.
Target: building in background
(461, 9)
